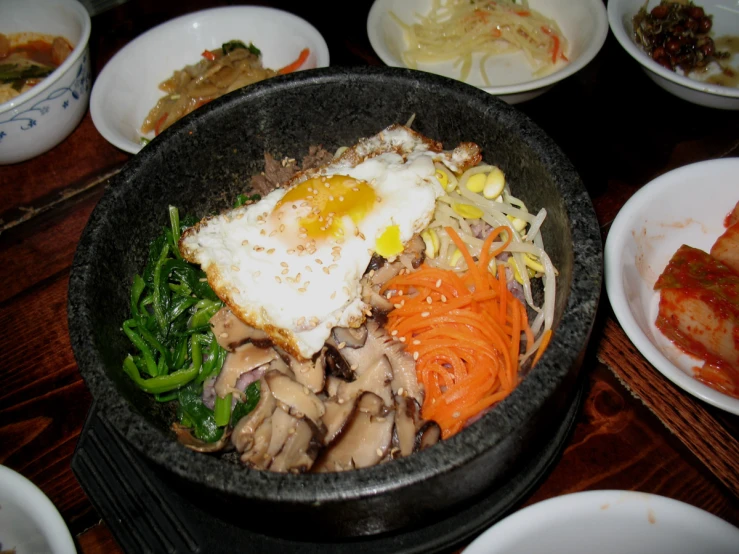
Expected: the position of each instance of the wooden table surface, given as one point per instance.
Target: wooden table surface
(635, 430)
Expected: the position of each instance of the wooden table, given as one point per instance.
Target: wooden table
(635, 430)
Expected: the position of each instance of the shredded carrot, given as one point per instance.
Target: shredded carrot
(546, 336)
(208, 55)
(555, 46)
(465, 332)
(160, 122)
(304, 53)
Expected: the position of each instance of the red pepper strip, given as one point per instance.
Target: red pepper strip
(208, 55)
(555, 38)
(523, 13)
(202, 102)
(304, 53)
(158, 126)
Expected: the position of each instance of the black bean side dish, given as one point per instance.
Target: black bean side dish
(676, 35)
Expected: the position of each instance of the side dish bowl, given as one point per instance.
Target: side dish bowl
(583, 22)
(668, 212)
(205, 160)
(725, 23)
(581, 523)
(37, 120)
(128, 86)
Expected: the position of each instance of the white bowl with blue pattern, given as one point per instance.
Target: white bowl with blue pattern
(37, 120)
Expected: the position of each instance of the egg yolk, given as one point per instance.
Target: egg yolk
(388, 243)
(331, 199)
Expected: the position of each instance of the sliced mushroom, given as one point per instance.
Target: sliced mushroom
(185, 437)
(244, 430)
(407, 417)
(375, 379)
(332, 385)
(337, 415)
(297, 398)
(231, 332)
(331, 362)
(350, 337)
(255, 455)
(308, 373)
(364, 441)
(428, 435)
(299, 451)
(282, 425)
(375, 299)
(243, 359)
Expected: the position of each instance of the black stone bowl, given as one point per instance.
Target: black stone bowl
(204, 161)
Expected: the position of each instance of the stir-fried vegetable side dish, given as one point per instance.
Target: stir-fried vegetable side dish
(379, 300)
(221, 71)
(459, 29)
(699, 307)
(26, 58)
(677, 35)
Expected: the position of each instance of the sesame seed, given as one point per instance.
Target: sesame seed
(425, 314)
(402, 339)
(368, 312)
(330, 198)
(273, 233)
(398, 306)
(443, 298)
(318, 261)
(400, 293)
(283, 264)
(256, 274)
(301, 247)
(416, 342)
(333, 295)
(223, 335)
(244, 242)
(340, 241)
(428, 300)
(401, 391)
(302, 289)
(301, 321)
(341, 400)
(291, 251)
(282, 227)
(278, 279)
(285, 271)
(234, 268)
(361, 235)
(297, 278)
(327, 271)
(379, 450)
(388, 294)
(353, 367)
(271, 251)
(341, 345)
(203, 280)
(258, 248)
(395, 332)
(332, 267)
(372, 272)
(438, 283)
(309, 268)
(305, 390)
(341, 198)
(456, 414)
(415, 355)
(262, 232)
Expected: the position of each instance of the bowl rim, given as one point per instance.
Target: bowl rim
(614, 260)
(72, 59)
(39, 508)
(99, 114)
(616, 23)
(572, 505)
(559, 359)
(599, 39)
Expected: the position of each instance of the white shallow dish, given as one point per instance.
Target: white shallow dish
(583, 22)
(29, 522)
(608, 522)
(684, 206)
(128, 87)
(725, 23)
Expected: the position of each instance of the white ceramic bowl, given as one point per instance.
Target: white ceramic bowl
(29, 522)
(608, 522)
(684, 206)
(128, 87)
(583, 22)
(725, 22)
(42, 117)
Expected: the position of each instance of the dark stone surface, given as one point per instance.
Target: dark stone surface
(206, 159)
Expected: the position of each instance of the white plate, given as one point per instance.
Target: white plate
(583, 22)
(128, 87)
(684, 206)
(725, 23)
(608, 522)
(29, 522)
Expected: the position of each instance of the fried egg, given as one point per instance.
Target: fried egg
(291, 263)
